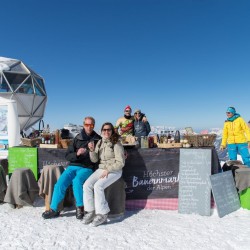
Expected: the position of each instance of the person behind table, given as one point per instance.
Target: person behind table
(79, 169)
(141, 128)
(125, 125)
(236, 135)
(109, 153)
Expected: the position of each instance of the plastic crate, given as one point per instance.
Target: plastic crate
(245, 198)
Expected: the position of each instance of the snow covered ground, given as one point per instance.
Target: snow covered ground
(142, 229)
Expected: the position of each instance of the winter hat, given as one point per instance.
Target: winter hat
(137, 111)
(231, 110)
(127, 107)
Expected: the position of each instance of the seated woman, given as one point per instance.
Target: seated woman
(110, 154)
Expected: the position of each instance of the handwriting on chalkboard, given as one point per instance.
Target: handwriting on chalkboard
(151, 174)
(20, 157)
(225, 193)
(194, 186)
(156, 181)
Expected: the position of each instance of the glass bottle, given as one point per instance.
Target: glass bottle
(177, 136)
(52, 138)
(57, 137)
(169, 135)
(48, 129)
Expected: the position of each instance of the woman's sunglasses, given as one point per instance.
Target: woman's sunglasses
(106, 129)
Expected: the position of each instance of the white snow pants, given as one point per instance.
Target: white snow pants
(93, 195)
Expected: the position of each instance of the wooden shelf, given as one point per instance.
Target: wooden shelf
(49, 145)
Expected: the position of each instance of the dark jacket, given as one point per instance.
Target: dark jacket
(141, 128)
(81, 141)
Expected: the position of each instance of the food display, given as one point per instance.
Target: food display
(128, 140)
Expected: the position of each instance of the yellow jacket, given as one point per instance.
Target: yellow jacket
(236, 131)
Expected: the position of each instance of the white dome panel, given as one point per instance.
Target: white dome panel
(30, 106)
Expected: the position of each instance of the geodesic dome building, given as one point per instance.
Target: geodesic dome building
(20, 83)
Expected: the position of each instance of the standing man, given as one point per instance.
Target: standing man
(236, 136)
(79, 169)
(125, 124)
(141, 128)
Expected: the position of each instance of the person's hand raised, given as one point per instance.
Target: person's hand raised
(91, 146)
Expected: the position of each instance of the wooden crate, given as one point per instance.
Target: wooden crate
(169, 145)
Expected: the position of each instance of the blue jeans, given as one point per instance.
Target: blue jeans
(242, 149)
(72, 175)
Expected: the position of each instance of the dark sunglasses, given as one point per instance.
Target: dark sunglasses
(228, 113)
(106, 129)
(127, 110)
(137, 113)
(88, 125)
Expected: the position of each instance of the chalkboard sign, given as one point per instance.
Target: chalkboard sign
(225, 193)
(194, 184)
(151, 173)
(23, 157)
(51, 156)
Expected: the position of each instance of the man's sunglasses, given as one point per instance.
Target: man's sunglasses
(89, 125)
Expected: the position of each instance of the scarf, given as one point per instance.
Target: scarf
(127, 116)
(231, 119)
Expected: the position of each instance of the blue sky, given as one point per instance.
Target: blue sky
(181, 62)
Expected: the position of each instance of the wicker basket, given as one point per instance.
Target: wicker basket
(65, 142)
(206, 140)
(31, 142)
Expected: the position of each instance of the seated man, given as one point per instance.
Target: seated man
(79, 169)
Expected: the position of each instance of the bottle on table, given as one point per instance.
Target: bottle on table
(52, 138)
(48, 129)
(57, 137)
(177, 136)
(144, 142)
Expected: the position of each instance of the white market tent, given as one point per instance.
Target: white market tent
(20, 83)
